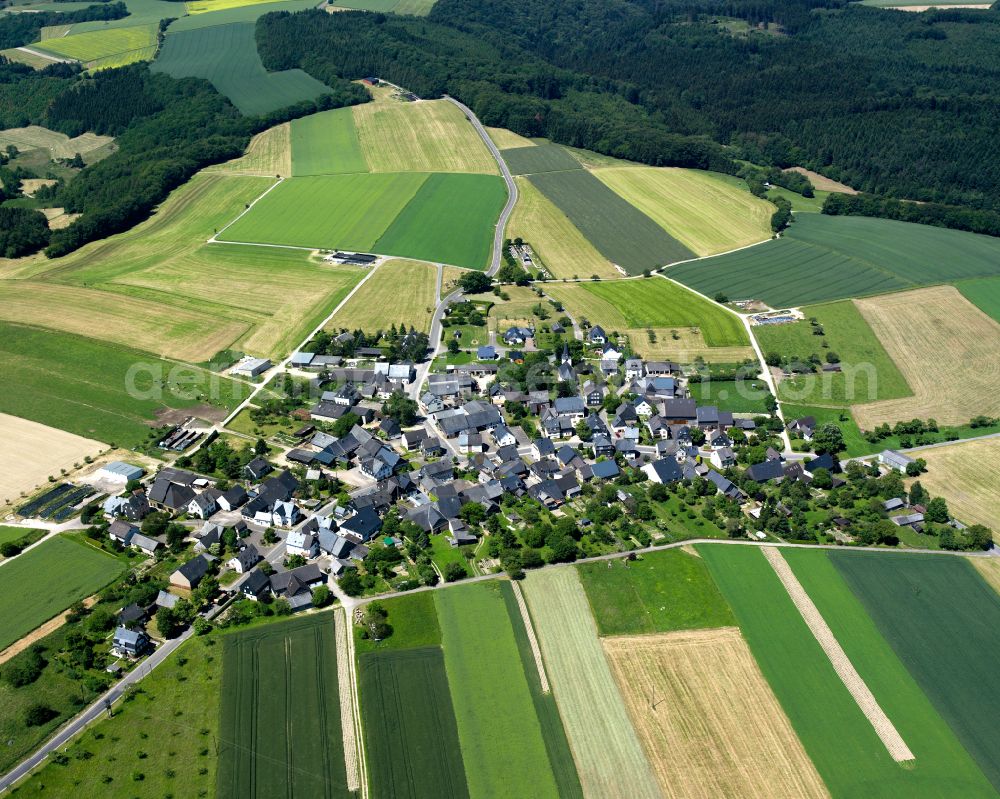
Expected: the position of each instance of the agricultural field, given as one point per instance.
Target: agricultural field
(869, 373)
(94, 402)
(745, 396)
(424, 136)
(562, 249)
(268, 155)
(207, 6)
(609, 756)
(72, 571)
(399, 293)
(661, 592)
(280, 726)
(823, 183)
(418, 8)
(532, 159)
(501, 739)
(326, 144)
(507, 140)
(837, 736)
(227, 56)
(707, 212)
(984, 293)
(821, 258)
(437, 217)
(968, 477)
(411, 737)
(947, 625)
(31, 452)
(56, 145)
(618, 230)
(111, 47)
(241, 13)
(414, 624)
(946, 349)
(715, 728)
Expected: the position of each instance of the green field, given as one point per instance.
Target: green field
(941, 618)
(869, 373)
(620, 232)
(280, 726)
(984, 293)
(227, 56)
(445, 218)
(30, 534)
(249, 13)
(822, 258)
(411, 738)
(93, 400)
(746, 396)
(326, 144)
(48, 579)
(837, 736)
(940, 758)
(662, 303)
(659, 593)
(414, 624)
(501, 739)
(539, 158)
(418, 8)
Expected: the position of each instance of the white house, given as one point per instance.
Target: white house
(304, 544)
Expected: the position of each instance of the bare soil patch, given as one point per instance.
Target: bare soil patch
(822, 182)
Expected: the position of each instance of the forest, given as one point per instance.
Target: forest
(20, 29)
(952, 216)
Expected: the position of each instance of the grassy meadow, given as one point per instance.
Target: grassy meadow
(984, 293)
(326, 144)
(414, 624)
(269, 154)
(128, 44)
(532, 159)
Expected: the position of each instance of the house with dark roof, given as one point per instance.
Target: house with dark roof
(605, 470)
(766, 471)
(244, 560)
(255, 586)
(364, 524)
(663, 471)
(170, 496)
(190, 574)
(596, 335)
(130, 643)
(257, 469)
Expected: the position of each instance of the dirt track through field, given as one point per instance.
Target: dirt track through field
(857, 687)
(709, 722)
(532, 639)
(345, 682)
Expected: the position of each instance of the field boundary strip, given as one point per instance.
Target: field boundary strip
(536, 652)
(348, 706)
(853, 681)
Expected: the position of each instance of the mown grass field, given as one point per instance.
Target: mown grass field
(411, 737)
(716, 728)
(501, 738)
(661, 592)
(562, 248)
(242, 13)
(426, 136)
(707, 212)
(984, 293)
(618, 230)
(207, 6)
(57, 145)
(280, 725)
(268, 155)
(940, 758)
(532, 159)
(946, 349)
(71, 572)
(414, 625)
(123, 44)
(326, 144)
(746, 396)
(177, 708)
(227, 56)
(95, 402)
(822, 258)
(399, 293)
(507, 140)
(968, 477)
(610, 759)
(836, 735)
(869, 373)
(946, 626)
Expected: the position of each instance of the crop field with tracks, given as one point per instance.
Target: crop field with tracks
(609, 756)
(968, 477)
(533, 159)
(561, 247)
(207, 6)
(707, 212)
(399, 293)
(72, 572)
(822, 258)
(946, 349)
(984, 293)
(268, 155)
(240, 13)
(709, 721)
(619, 231)
(227, 56)
(326, 144)
(105, 48)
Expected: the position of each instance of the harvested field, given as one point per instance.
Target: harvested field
(946, 626)
(506, 139)
(409, 726)
(57, 218)
(280, 727)
(709, 721)
(269, 154)
(399, 293)
(946, 349)
(426, 136)
(821, 182)
(561, 247)
(326, 144)
(206, 6)
(30, 185)
(989, 570)
(534, 158)
(848, 674)
(58, 145)
(609, 757)
(349, 715)
(227, 56)
(707, 212)
(501, 738)
(529, 631)
(618, 230)
(30, 452)
(968, 477)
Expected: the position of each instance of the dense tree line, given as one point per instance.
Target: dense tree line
(895, 104)
(22, 231)
(938, 214)
(20, 29)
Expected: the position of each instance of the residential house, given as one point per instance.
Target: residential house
(122, 532)
(596, 335)
(130, 643)
(302, 543)
(255, 586)
(244, 560)
(190, 574)
(663, 471)
(257, 469)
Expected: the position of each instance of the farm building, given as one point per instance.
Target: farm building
(894, 460)
(120, 472)
(251, 367)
